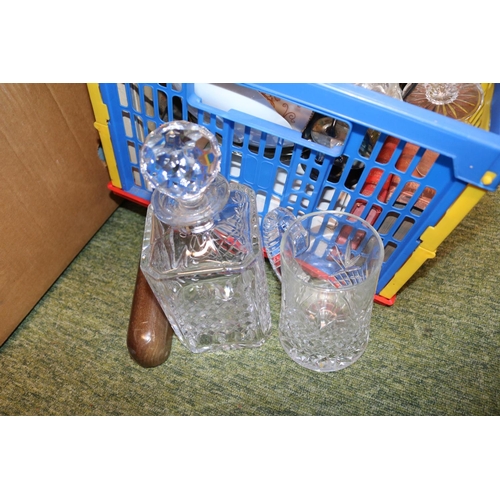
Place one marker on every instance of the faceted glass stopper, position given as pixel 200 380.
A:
pixel 180 159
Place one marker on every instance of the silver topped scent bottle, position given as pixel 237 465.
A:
pixel 202 253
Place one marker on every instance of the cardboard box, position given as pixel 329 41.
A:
pixel 54 194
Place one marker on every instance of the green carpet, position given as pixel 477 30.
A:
pixel 435 352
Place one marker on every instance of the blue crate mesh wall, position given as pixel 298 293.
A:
pixel 285 169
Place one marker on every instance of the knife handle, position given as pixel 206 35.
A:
pixel 149 336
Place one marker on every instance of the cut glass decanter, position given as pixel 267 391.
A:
pixel 202 253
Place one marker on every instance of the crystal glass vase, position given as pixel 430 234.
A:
pixel 202 253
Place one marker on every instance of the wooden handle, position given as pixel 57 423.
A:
pixel 149 337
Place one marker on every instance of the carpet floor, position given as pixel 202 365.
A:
pixel 436 351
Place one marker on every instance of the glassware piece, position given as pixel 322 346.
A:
pixel 390 89
pixel 456 100
pixel 181 162
pixel 329 132
pixel 202 253
pixel 329 267
pixel 274 225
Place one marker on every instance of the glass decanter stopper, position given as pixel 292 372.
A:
pixel 202 253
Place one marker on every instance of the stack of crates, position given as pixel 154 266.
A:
pixel 412 173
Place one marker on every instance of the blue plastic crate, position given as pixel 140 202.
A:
pixel 305 176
